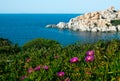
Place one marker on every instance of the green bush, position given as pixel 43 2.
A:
pixel 6 46
pixel 5 42
pixel 115 22
pixel 105 66
pixel 41 43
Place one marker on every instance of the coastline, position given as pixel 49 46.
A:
pixel 100 21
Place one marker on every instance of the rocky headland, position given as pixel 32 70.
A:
pixel 100 21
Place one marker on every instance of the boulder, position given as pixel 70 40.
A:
pixel 118 27
pixel 51 26
pixel 83 29
pixel 94 29
pixel 61 25
pixel 112 28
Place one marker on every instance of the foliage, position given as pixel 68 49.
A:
pixel 40 43
pixel 6 46
pixel 104 66
pixel 115 22
pixel 4 42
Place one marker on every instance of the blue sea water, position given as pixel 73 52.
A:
pixel 21 28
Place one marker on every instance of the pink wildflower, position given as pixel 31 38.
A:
pixel 30 70
pixel 74 60
pixel 37 68
pixel 45 67
pixel 60 74
pixel 90 53
pixel 89 58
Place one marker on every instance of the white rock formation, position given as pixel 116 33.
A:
pixel 61 25
pixel 118 27
pixel 51 26
pixel 93 22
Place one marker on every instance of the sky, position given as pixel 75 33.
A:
pixel 56 6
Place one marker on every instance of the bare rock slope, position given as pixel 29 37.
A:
pixel 99 21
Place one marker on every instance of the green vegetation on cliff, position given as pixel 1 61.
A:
pixel 40 43
pixel 6 46
pixel 115 22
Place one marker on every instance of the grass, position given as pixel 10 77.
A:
pixel 105 66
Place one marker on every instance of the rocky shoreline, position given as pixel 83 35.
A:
pixel 99 21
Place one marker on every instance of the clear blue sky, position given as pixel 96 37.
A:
pixel 55 6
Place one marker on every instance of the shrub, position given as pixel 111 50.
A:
pixel 87 62
pixel 115 22
pixel 5 42
pixel 6 46
pixel 41 43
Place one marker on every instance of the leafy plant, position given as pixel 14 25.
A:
pixel 115 22
pixel 6 46
pixel 40 43
pixel 50 62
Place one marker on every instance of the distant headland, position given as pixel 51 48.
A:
pixel 100 21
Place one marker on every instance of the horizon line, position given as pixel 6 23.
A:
pixel 41 13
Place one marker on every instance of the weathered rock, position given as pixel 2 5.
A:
pixel 94 29
pixel 112 8
pixel 94 21
pixel 118 27
pixel 51 26
pixel 112 28
pixel 83 29
pixel 61 25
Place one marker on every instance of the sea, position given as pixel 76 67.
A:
pixel 21 28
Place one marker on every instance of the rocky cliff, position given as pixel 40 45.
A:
pixel 99 21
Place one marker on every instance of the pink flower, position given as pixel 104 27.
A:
pixel 27 59
pixel 60 74
pixel 37 68
pixel 90 53
pixel 74 59
pixel 30 70
pixel 23 77
pixel 89 58
pixel 45 67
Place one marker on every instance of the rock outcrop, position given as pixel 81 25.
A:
pixel 93 22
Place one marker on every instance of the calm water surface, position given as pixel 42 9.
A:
pixel 21 28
